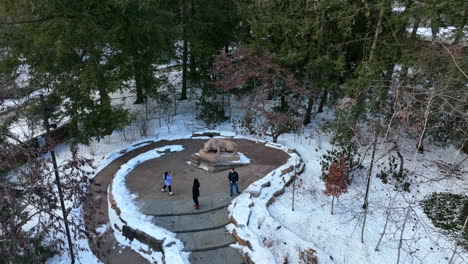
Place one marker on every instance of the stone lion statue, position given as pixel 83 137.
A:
pixel 218 145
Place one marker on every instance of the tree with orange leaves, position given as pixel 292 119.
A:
pixel 335 183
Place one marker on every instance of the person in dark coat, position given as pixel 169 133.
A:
pixel 233 179
pixel 196 192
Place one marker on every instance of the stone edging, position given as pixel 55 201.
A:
pixel 254 192
pixel 124 230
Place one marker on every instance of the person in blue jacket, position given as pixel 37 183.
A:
pixel 167 182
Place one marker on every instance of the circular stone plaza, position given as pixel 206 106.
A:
pixel 202 232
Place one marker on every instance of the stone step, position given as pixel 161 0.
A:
pixel 206 240
pixel 226 255
pixel 160 208
pixel 194 222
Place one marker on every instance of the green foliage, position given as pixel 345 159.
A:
pixel 348 150
pixel 84 51
pixel 205 28
pixel 211 113
pixel 245 123
pixel 389 173
pixel 445 210
pixel 340 128
pixel 447 129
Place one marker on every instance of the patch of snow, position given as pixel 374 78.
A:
pixel 129 211
pixel 243 159
pixel 102 229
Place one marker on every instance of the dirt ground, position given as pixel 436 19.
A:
pixel 146 180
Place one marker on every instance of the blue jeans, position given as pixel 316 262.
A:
pixel 233 184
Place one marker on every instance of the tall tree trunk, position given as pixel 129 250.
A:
pixel 377 32
pixel 404 69
pixel 193 66
pixel 434 32
pixel 308 113
pixel 420 143
pixel 323 100
pixel 378 28
pixel 365 205
pixel 183 94
pixel 138 83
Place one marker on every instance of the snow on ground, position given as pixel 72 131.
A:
pixel 144 250
pixel 131 214
pixel 336 238
pixel 102 229
pixel 12 103
pixel 333 236
pixel 116 145
pixel 270 241
pixel 339 235
pixel 242 159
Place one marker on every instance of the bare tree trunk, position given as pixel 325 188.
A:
pixel 308 113
pixel 401 234
pixel 420 144
pixel 323 100
pixel 390 204
pixel 294 186
pixel 333 202
pixel 434 32
pixel 377 32
pixel 365 205
pixel 402 160
pixel 460 236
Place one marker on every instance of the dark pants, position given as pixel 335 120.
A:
pixel 233 184
pixel 167 186
pixel 195 199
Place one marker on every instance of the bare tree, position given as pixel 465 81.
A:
pixel 30 206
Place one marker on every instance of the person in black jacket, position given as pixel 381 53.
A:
pixel 196 192
pixel 233 179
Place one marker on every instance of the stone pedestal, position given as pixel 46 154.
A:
pixel 218 157
pixel 213 166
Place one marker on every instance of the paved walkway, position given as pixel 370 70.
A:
pixel 202 231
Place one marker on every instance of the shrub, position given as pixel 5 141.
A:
pixel 348 150
pixel 211 113
pixel 391 174
pixel 308 256
pixel 444 210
